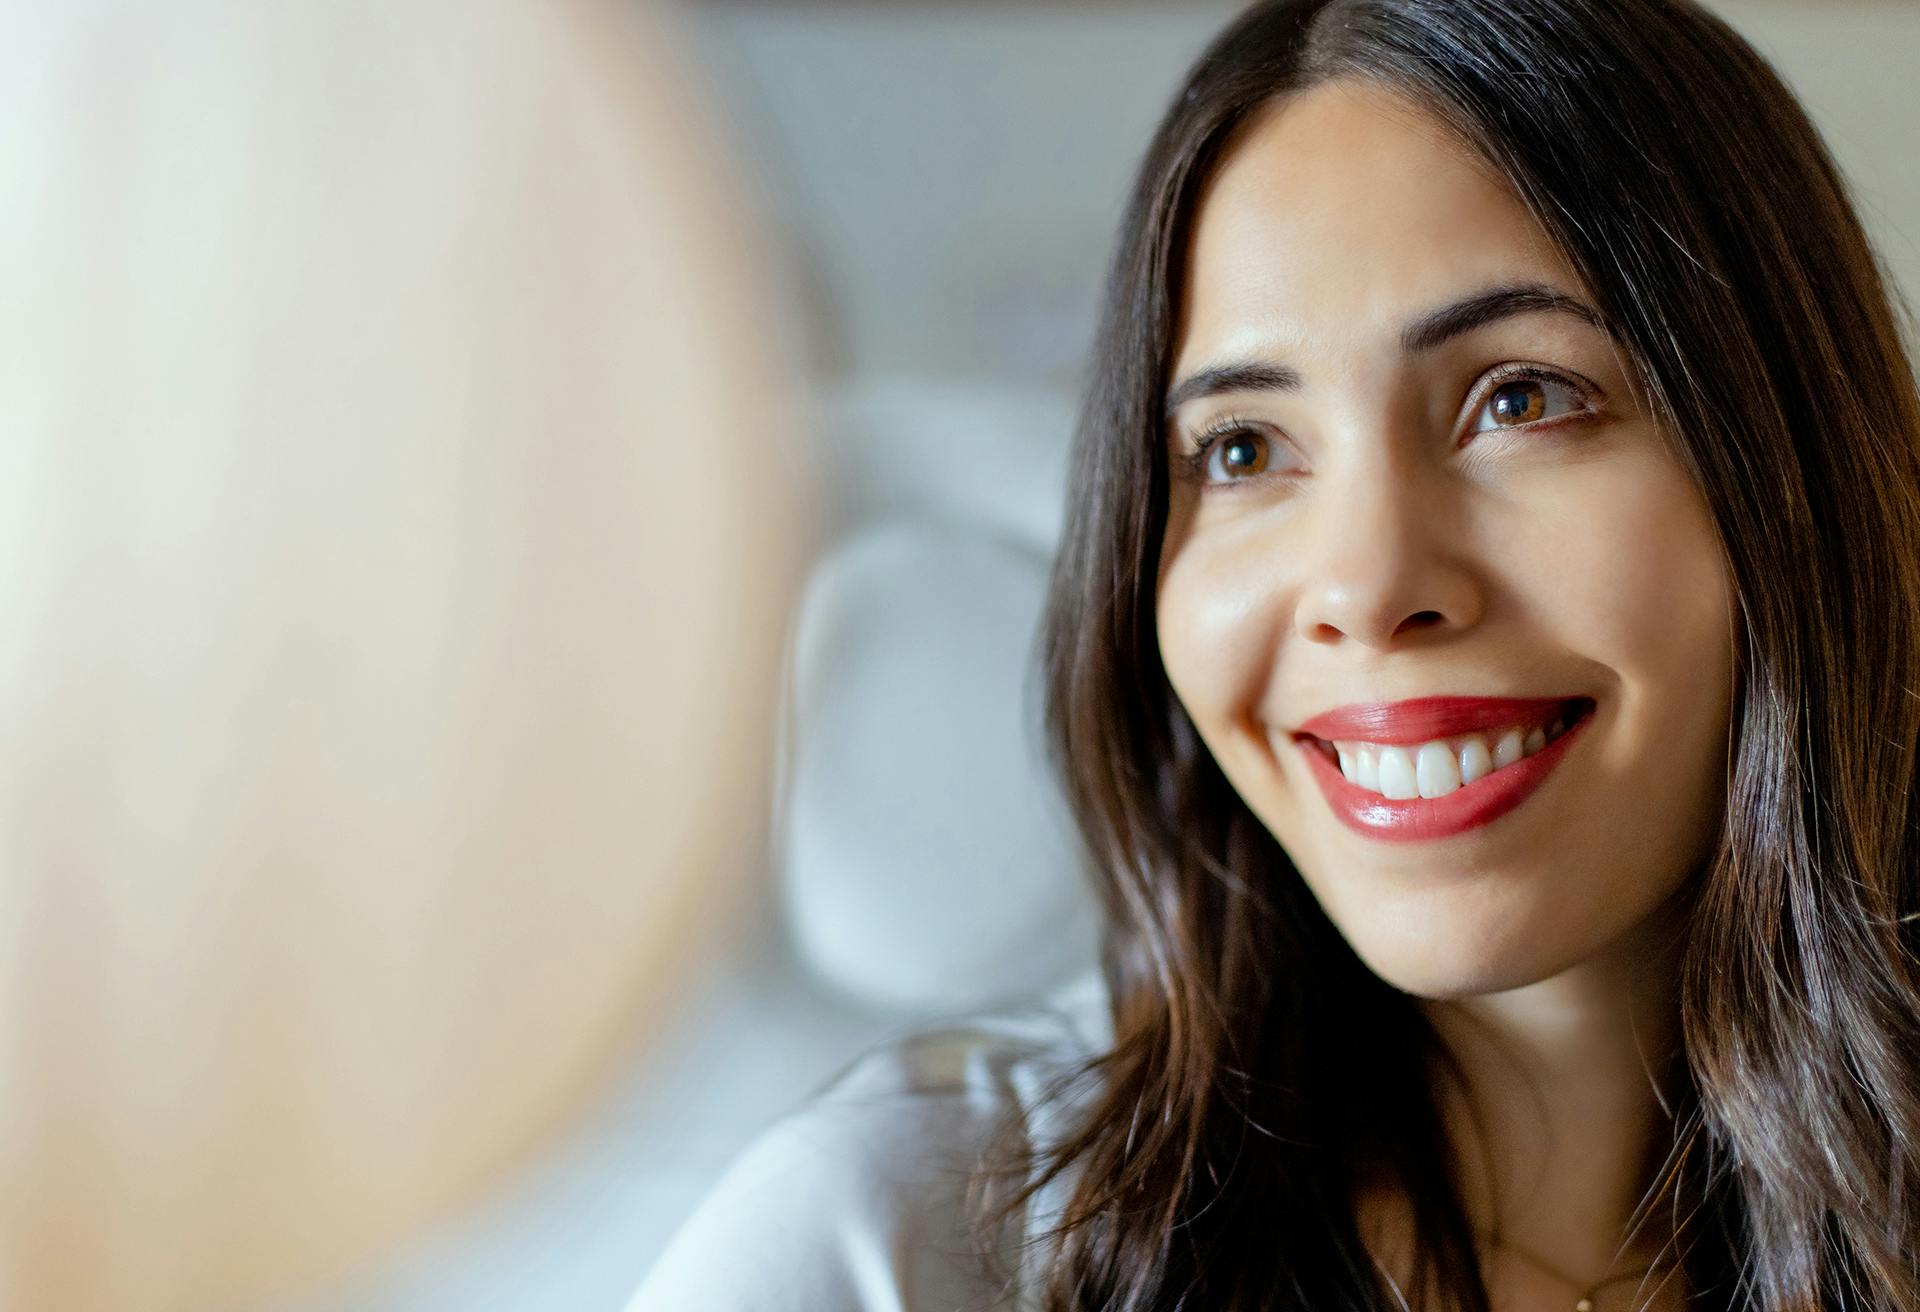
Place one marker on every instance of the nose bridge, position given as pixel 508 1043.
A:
pixel 1384 562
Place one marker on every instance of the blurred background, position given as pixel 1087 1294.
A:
pixel 524 525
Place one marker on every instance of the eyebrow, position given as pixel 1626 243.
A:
pixel 1428 332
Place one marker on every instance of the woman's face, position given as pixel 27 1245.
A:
pixel 1445 608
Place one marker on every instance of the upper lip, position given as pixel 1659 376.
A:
pixel 1425 719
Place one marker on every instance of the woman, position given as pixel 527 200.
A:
pixel 1482 661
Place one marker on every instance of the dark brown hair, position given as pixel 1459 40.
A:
pixel 1257 1065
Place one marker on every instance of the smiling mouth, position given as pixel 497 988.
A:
pixel 1443 766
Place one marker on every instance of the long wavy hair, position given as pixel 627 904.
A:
pixel 1257 1064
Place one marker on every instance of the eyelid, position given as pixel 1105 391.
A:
pixel 1225 426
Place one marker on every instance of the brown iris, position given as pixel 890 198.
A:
pixel 1519 402
pixel 1244 454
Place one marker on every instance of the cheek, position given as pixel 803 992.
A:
pixel 1641 587
pixel 1643 592
pixel 1215 619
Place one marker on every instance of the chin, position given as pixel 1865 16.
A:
pixel 1442 966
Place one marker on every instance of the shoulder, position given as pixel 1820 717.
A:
pixel 859 1200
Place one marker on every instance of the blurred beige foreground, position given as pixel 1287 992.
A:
pixel 397 519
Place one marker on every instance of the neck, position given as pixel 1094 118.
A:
pixel 1561 1113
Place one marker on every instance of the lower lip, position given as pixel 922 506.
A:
pixel 1424 819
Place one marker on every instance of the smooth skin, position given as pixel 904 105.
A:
pixel 1376 524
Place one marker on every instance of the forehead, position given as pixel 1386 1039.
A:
pixel 1337 214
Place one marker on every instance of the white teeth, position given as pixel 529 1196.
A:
pixel 1440 767
pixel 1396 775
pixel 1475 761
pixel 1437 770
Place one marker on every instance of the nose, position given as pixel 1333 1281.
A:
pixel 1386 563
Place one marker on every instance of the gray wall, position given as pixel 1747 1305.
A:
pixel 948 176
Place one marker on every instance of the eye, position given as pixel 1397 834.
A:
pixel 1229 451
pixel 1522 399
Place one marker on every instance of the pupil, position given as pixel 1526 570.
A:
pixel 1241 454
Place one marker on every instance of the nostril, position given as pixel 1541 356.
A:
pixel 1424 619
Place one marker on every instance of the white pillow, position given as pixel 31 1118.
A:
pixel 925 857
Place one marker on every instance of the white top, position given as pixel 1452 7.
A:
pixel 856 1201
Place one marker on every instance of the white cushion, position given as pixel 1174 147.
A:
pixel 925 857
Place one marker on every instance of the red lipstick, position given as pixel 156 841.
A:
pixel 1408 724
pixel 1472 806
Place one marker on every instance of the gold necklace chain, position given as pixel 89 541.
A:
pixel 1583 1302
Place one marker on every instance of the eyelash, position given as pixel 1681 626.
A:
pixel 1231 425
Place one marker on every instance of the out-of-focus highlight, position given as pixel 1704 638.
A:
pixel 399 504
